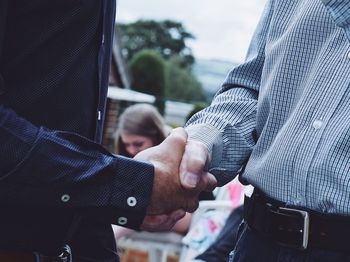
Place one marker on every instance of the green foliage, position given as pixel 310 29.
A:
pixel 166 37
pixel 147 69
pixel 181 83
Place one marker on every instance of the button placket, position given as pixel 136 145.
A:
pixel 317 124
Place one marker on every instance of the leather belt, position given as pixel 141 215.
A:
pixel 294 227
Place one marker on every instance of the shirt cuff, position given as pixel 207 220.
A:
pixel 211 137
pixel 132 196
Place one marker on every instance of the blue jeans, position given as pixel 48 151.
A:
pixel 252 247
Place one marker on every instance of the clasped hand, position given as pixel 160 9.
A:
pixel 179 178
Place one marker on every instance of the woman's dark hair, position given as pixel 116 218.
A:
pixel 141 120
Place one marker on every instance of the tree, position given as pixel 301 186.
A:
pixel 147 69
pixel 166 37
pixel 181 83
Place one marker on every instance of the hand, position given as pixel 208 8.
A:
pixel 194 164
pixel 162 222
pixel 168 194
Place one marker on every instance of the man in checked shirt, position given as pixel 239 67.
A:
pixel 282 121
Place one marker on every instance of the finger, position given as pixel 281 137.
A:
pixel 150 223
pixel 177 215
pixel 176 141
pixel 197 156
pixel 207 183
pixel 162 222
pixel 210 182
pixel 192 164
pixel 166 159
pixel 189 180
pixel 174 147
pixel 173 218
pixel 192 204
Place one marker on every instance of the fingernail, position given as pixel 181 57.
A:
pixel 191 179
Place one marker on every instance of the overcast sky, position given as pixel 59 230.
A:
pixel 223 28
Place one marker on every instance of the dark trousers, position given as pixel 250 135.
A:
pixel 252 247
pixel 219 251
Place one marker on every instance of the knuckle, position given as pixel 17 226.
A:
pixel 197 163
pixel 200 147
pixel 210 180
pixel 179 140
pixel 193 206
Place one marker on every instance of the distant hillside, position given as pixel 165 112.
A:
pixel 211 73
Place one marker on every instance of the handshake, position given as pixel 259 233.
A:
pixel 180 176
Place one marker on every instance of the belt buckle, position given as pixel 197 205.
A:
pixel 305 229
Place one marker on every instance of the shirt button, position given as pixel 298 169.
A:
pixel 131 201
pixel 122 221
pixel 65 198
pixel 317 124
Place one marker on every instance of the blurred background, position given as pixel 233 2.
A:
pixel 176 54
pixel 222 29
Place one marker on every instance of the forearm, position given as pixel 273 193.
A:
pixel 227 126
pixel 38 162
pixel 228 133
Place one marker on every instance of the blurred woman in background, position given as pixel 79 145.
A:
pixel 140 127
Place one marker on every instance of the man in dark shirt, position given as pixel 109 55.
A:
pixel 58 186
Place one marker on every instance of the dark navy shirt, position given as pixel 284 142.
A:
pixel 54 64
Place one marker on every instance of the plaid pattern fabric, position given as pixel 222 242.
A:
pixel 284 113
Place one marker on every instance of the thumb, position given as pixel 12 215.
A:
pixel 193 164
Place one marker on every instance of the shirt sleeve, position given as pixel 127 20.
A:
pixel 49 168
pixel 340 12
pixel 57 170
pixel 227 125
